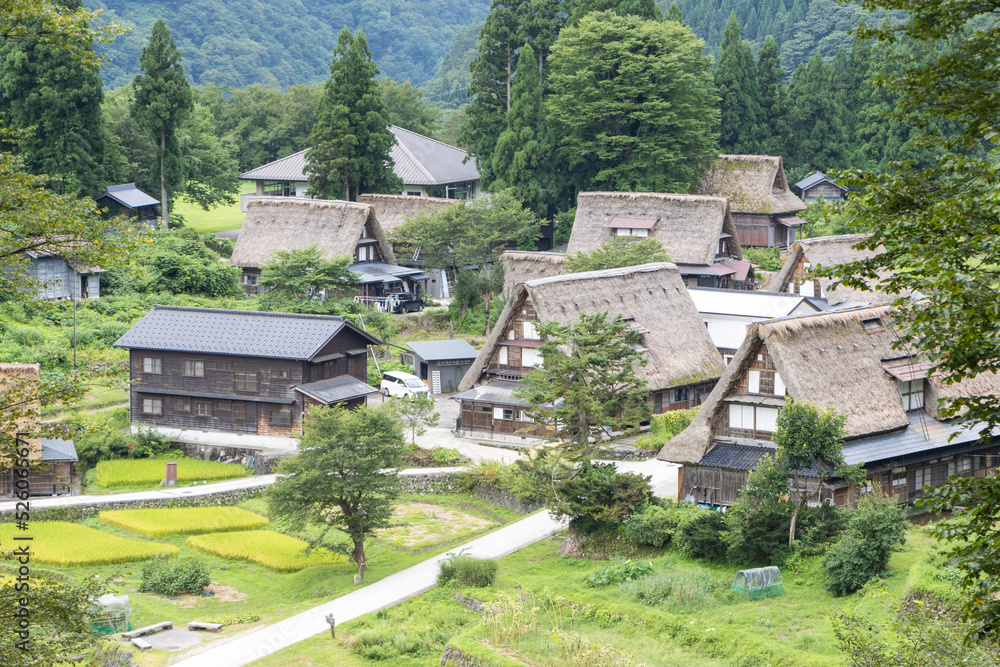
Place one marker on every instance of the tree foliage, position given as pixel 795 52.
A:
pixel 415 413
pixel 633 104
pixel 298 276
pixel 407 108
pixel 876 528
pixel 68 27
pixel 587 384
pixel 599 497
pixel 347 461
pixel 740 100
pixel 620 251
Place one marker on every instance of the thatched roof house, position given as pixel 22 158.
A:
pixel 520 266
pixel 393 210
pixel 682 362
pixel 826 251
pixel 843 360
pixel 696 232
pixel 762 204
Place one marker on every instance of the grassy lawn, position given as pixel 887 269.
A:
pixel 96 398
pixel 217 219
pixel 242 587
pixel 561 622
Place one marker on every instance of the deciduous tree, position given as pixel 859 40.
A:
pixel 347 461
pixel 415 413
pixel 301 275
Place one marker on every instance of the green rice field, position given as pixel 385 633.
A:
pixel 142 472
pixel 71 544
pixel 189 520
pixel 264 547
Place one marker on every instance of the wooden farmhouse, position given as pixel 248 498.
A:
pixel 682 367
pixel 696 232
pixel 795 276
pixel 59 277
pixel 427 167
pixel 843 360
pixel 520 266
pixel 130 201
pixel 761 202
pixel 242 371
pixel 337 228
pixel 819 185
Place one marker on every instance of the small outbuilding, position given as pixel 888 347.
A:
pixel 442 363
pixel 130 201
pixel 820 185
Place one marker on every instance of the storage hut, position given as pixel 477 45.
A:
pixel 820 185
pixel 442 363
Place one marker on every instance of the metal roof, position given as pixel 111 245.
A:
pixel 57 450
pixel 923 434
pixel 418 160
pixel 377 272
pixel 499 392
pixel 813 179
pixel 744 303
pixel 336 390
pixel 129 195
pixel 907 369
pixel 632 223
pixel 443 350
pixel 235 332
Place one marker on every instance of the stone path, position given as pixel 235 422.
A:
pixel 253 645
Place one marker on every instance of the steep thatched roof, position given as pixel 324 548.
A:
pixel 394 210
pixel 520 266
pixel 828 251
pixel 833 360
pixel 753 183
pixel 688 226
pixel 680 350
pixel 284 223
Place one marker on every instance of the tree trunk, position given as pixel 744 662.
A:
pixel 510 56
pixel 799 505
pixel 359 554
pixel 347 190
pixel 486 307
pixel 163 183
pixel 357 191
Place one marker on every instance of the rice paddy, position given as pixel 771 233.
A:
pixel 189 520
pixel 150 472
pixel 264 547
pixel 71 544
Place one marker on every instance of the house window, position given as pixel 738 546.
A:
pixel 222 406
pixel 279 188
pixel 281 375
pixel 152 406
pixel 530 331
pixel 624 231
pixel 679 395
pixel 193 369
pixel 239 412
pixel 753 382
pixel 964 464
pixel 250 279
pixel 912 394
pixel 203 409
pixel 219 365
pixel 779 385
pixel 872 325
pixel 753 418
pixel 281 418
pixel 524 417
pixel 182 405
pixel 531 357
pixel 152 365
pixel 414 193
pixel 506 414
pixel 502 355
pixel 245 382
pixel 922 478
pixel 899 477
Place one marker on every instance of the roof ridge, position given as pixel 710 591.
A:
pixel 413 158
pixel 261 313
pixel 680 196
pixel 280 159
pixel 424 136
pixel 602 273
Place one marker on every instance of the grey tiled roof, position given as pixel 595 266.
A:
pixel 924 434
pixel 336 390
pixel 236 332
pixel 443 350
pixel 813 179
pixel 129 195
pixel 499 392
pixel 58 450
pixel 734 456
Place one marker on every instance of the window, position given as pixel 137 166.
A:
pixel 779 385
pixel 872 325
pixel 152 406
pixel 753 418
pixel 249 279
pixel 222 406
pixel 531 357
pixel 203 409
pixel 530 332
pixel 502 356
pixel 506 414
pixel 899 476
pixel 281 418
pixel 964 464
pixel 239 412
pixel 922 478
pixel 623 231
pixel 912 393
pixel 279 188
pixel 193 369
pixel 182 405
pixel 753 382
pixel 524 417
pixel 679 395
pixel 152 365
pixel 281 375
pixel 414 193
pixel 219 365
pixel 244 382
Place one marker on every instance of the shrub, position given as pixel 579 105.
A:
pixel 758 535
pixel 656 524
pixel 167 577
pixel 71 544
pixel 191 520
pixel 468 570
pixel 769 259
pixel 598 497
pixel 663 427
pixel 445 455
pixel 265 547
pixel 876 528
pixel 618 573
pixel 700 535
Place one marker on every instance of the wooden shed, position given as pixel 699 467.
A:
pixel 442 363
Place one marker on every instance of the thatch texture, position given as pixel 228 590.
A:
pixel 284 223
pixel 753 184
pixel 827 251
pixel 393 210
pixel 680 350
pixel 687 226
pixel 520 266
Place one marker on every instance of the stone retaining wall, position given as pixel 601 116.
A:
pixel 452 657
pixel 435 482
pixel 261 464
pixel 496 496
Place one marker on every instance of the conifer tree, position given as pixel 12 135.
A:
pixel 739 94
pixel 773 97
pixel 644 9
pixel 522 160
pixel 674 13
pixel 820 139
pixel 351 140
pixel 162 101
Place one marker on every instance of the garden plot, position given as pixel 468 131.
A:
pixel 417 524
pixel 150 472
pixel 70 544
pixel 189 520
pixel 265 547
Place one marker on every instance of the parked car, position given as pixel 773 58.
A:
pixel 404 302
pixel 398 383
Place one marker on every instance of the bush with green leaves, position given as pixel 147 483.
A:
pixel 656 523
pixel 758 532
pixel 768 259
pixel 468 570
pixel 445 455
pixel 701 535
pixel 619 572
pixel 598 497
pixel 677 588
pixel 172 576
pixel 876 528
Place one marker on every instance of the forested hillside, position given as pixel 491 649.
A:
pixel 239 42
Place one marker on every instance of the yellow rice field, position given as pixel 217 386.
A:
pixel 149 472
pixel 72 544
pixel 264 547
pixel 190 520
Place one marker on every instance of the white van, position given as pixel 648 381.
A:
pixel 397 383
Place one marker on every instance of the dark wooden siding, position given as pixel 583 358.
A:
pixel 478 416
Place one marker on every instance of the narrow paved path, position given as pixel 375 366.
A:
pixel 250 646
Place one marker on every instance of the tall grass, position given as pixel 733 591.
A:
pixel 141 472
pixel 468 570
pixel 190 520
pixel 265 547
pixel 71 544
